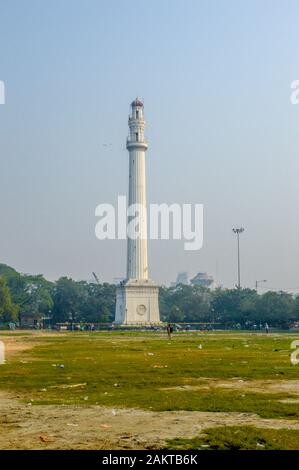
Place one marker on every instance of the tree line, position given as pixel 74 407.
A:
pixel 66 300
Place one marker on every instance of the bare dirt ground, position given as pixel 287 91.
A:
pixel 260 386
pixel 93 427
pixel 16 344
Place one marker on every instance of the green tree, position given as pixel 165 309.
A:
pixel 296 309
pixel 37 296
pixel 8 310
pixel 232 306
pixel 276 308
pixel 175 314
pixel 33 293
pixel 185 303
pixel 67 298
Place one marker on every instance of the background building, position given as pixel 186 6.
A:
pixel 182 278
pixel 204 280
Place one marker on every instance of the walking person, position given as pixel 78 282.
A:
pixel 169 329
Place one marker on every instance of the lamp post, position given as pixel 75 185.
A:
pixel 257 284
pixel 237 231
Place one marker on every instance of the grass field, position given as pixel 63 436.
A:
pixel 206 390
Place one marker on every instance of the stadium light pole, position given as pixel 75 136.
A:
pixel 237 231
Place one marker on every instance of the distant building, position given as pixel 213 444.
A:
pixel 204 280
pixel 182 278
pixel 30 320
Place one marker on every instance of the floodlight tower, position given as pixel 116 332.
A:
pixel 238 231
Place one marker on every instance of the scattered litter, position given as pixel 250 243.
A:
pixel 115 385
pixel 150 354
pixel 259 445
pixel 44 438
pixel 199 346
pixel 43 390
pixel 204 445
pixel 113 412
pixel 85 398
pixel 68 385
pixel 74 385
pixel 72 424
pixel 105 426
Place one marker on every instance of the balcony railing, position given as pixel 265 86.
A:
pixel 137 141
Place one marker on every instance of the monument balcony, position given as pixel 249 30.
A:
pixel 133 143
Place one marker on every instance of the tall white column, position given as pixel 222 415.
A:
pixel 137 300
pixel 137 265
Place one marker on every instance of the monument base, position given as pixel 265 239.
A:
pixel 137 303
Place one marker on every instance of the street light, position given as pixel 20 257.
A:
pixel 238 231
pixel 257 283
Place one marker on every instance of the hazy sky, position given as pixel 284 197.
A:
pixel 215 80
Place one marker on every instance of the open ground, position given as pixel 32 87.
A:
pixel 138 390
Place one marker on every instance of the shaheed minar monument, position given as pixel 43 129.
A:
pixel 137 296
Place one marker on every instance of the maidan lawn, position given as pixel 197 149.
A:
pixel 221 390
